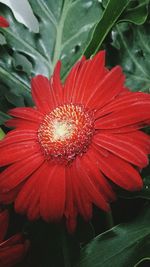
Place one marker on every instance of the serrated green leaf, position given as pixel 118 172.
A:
pixel 122 246
pixel 64 26
pixel 133 45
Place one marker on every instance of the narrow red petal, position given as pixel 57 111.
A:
pixel 30 192
pixel 138 115
pixel 70 208
pixel 97 177
pixel 12 255
pixel 41 93
pixel 57 88
pixel 15 239
pixel 17 151
pixel 22 124
pixel 92 72
pixel 18 172
pixel 3 22
pixel 9 197
pixel 52 198
pixel 118 170
pixel 30 114
pixel 34 210
pixel 82 199
pixel 91 189
pixel 71 81
pixel 107 89
pixel 124 147
pixel 17 136
pixel 123 102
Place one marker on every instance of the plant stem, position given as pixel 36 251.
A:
pixel 109 220
pixel 65 246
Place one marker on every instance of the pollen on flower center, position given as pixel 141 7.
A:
pixel 66 132
pixel 62 130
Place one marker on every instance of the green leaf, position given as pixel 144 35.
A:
pixel 65 26
pixel 3 117
pixel 112 12
pixel 133 46
pixel 2 134
pixel 136 11
pixel 124 245
pixel 143 262
pixel 136 14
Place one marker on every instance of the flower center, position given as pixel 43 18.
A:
pixel 66 132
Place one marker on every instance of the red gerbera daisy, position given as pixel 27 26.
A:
pixel 79 136
pixel 14 249
pixel 3 22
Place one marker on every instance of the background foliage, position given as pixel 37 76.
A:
pixel 67 30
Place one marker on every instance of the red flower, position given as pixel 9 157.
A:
pixel 3 22
pixel 12 250
pixel 80 136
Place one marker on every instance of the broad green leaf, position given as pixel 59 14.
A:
pixel 64 28
pixel 113 10
pixel 122 246
pixel 136 11
pixel 136 14
pixel 133 46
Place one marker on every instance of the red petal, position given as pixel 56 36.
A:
pixel 124 130
pixel 18 172
pixel 17 151
pixel 41 93
pixel 17 136
pixel 22 124
pixel 124 146
pixel 89 186
pixel 9 256
pixel 4 218
pixel 70 208
pixel 136 115
pixel 97 177
pixel 57 88
pixel 30 114
pixel 82 199
pixel 118 170
pixel 3 22
pixel 13 250
pixel 92 72
pixel 52 199
pixel 107 89
pixel 28 199
pixel 15 239
pixel 71 80
pixel 124 102
pixel 9 197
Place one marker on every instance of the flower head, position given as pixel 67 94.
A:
pixel 80 135
pixel 13 249
pixel 3 22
